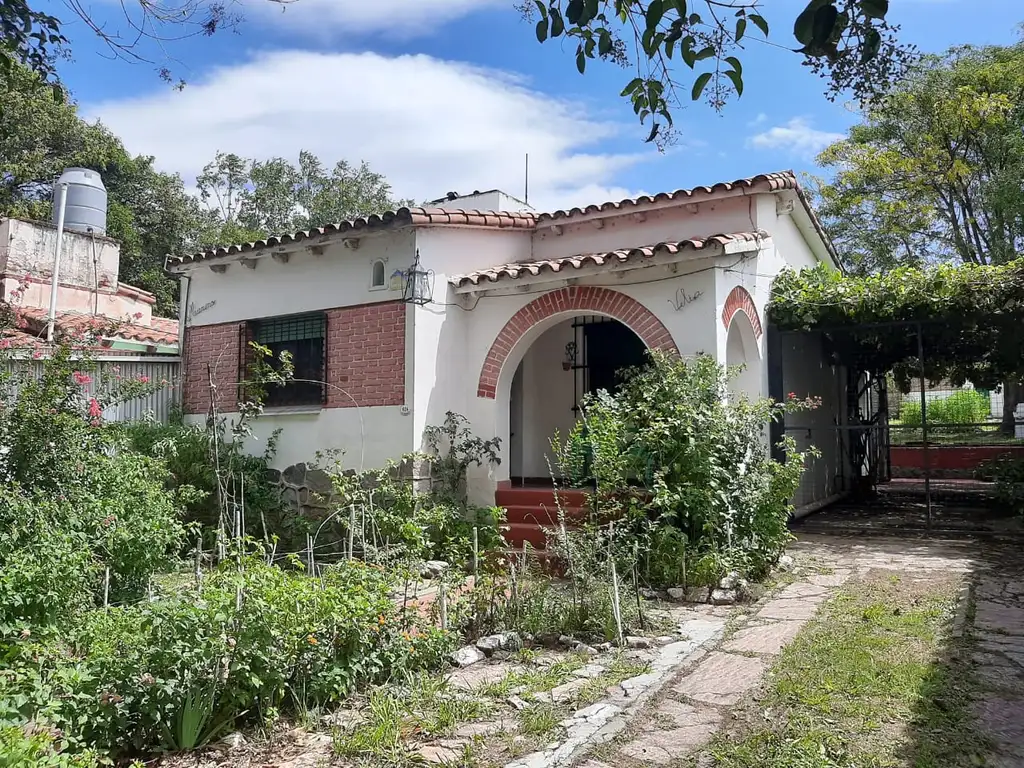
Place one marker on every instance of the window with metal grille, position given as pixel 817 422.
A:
pixel 303 337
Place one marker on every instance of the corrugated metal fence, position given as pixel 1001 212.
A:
pixel 157 405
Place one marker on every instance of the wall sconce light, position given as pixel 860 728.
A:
pixel 570 356
pixel 419 284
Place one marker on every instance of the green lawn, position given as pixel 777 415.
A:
pixel 874 682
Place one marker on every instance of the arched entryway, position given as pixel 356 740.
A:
pixel 578 356
pixel 559 309
pixel 743 330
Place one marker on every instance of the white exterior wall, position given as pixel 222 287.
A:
pixel 805 369
pixel 547 401
pixel 806 373
pixel 306 283
pixel 443 360
pixel 340 277
pixel 692 328
pixel 736 214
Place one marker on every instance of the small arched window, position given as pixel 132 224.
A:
pixel 377 276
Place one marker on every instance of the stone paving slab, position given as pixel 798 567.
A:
pixel 792 609
pixel 693 730
pixel 767 639
pixel 722 679
pixel 990 616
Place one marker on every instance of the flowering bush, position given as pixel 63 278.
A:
pixel 689 468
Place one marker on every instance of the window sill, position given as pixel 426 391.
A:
pixel 288 410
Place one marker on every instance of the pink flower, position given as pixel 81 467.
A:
pixel 95 411
pixel 792 395
pixel 137 316
pixel 144 379
pixel 81 379
pixel 37 354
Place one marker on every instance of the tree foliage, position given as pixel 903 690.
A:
pixel 971 317
pixel 849 42
pixel 255 198
pixel 933 172
pixel 35 38
pixel 150 212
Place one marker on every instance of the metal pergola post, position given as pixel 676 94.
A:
pixel 924 430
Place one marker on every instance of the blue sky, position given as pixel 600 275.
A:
pixel 444 95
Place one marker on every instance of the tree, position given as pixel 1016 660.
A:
pixel 253 198
pixel 35 38
pixel 849 42
pixel 149 212
pixel 933 172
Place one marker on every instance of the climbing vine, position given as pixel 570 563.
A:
pixel 970 318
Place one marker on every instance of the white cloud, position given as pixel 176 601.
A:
pixel 405 18
pixel 761 118
pixel 796 137
pixel 428 125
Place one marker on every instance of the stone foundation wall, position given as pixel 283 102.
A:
pixel 307 493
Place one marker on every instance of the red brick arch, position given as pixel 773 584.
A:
pixel 602 301
pixel 739 298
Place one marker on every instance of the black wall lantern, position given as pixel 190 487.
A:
pixel 570 356
pixel 419 284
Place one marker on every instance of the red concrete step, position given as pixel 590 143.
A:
pixel 517 535
pixel 547 516
pixel 535 497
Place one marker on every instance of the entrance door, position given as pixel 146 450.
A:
pixel 610 347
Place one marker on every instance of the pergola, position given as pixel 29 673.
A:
pixel 954 323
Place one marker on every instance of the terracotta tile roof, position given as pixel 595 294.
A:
pixel 765 182
pixel 13 338
pixel 162 331
pixel 400 218
pixel 608 258
pixel 771 182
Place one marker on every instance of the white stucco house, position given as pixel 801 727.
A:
pixel 518 315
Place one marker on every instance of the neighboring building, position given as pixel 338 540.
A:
pixel 127 339
pixel 518 315
pixel 88 290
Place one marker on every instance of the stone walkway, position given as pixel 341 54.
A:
pixel 685 720
pixel 998 632
pixel 682 721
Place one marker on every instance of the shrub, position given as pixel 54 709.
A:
pixel 55 549
pixel 454 449
pixel 702 465
pixel 172 673
pixel 189 455
pixel 1007 472
pixel 395 523
pixel 968 406
pixel 25 747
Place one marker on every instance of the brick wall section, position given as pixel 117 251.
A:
pixel 365 358
pixel 216 346
pixel 739 298
pixel 950 457
pixel 577 300
pixel 366 355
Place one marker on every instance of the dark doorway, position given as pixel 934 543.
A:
pixel 610 347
